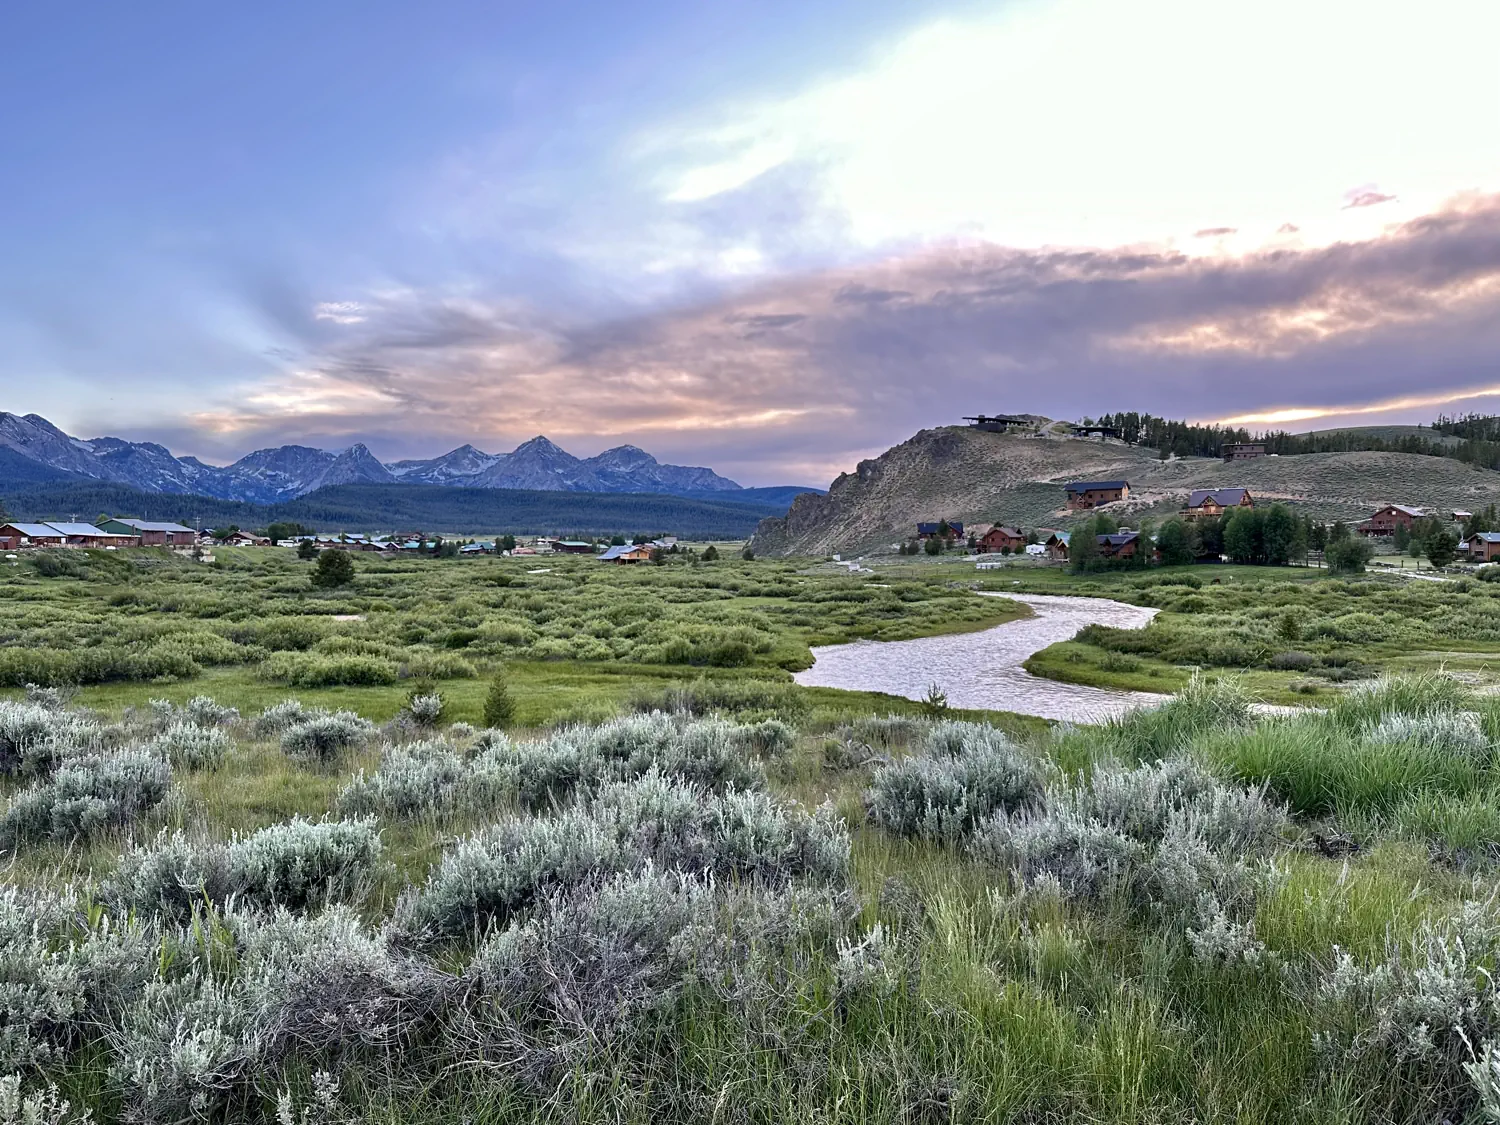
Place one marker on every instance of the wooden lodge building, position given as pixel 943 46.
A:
pixel 999 539
pixel 1057 546
pixel 926 531
pixel 1482 547
pixel 152 533
pixel 1120 545
pixel 1210 503
pixel 1243 450
pixel 1385 521
pixel 1086 494
pixel 628 553
pixel 58 534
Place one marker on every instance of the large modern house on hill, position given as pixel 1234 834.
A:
pixel 1385 521
pixel 1213 502
pixel 1085 494
pixel 945 529
pixel 1243 451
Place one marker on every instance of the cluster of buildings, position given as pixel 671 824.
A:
pixel 113 534
pixel 108 534
pixel 1481 546
pixel 1202 503
pixel 540 545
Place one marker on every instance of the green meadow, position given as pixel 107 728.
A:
pixel 463 842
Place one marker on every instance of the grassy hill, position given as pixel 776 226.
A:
pixel 959 473
pixel 432 508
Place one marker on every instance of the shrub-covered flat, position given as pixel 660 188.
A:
pixel 579 634
pixel 1291 634
pixel 732 905
pixel 544 840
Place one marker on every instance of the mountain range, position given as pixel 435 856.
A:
pixel 33 450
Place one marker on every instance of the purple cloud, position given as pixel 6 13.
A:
pixel 799 378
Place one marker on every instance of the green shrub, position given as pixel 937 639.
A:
pixel 323 737
pixel 84 797
pixel 966 772
pixel 438 666
pixel 499 704
pixel 1293 661
pixel 1319 766
pixel 308 670
pixel 334 568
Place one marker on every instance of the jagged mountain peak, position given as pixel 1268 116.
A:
pixel 623 457
pixel 541 444
pixel 287 471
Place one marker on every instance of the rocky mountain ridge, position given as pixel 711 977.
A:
pixel 40 449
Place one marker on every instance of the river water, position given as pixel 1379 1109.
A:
pixel 983 669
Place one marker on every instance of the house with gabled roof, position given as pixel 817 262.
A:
pixel 627 553
pixel 1001 538
pixel 1085 494
pixel 1118 545
pixel 926 531
pixel 1482 547
pixel 1210 503
pixel 1387 519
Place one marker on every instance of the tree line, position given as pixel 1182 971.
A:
pixel 1272 536
pixel 1478 434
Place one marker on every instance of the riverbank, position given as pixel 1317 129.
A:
pixel 987 669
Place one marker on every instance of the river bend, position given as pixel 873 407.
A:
pixel 984 669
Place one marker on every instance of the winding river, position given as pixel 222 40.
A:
pixel 983 669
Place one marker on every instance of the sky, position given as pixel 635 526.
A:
pixel 770 237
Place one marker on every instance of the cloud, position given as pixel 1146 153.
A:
pixel 340 312
pixel 1063 123
pixel 809 373
pixel 1215 232
pixel 1366 199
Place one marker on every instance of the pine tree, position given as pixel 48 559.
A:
pixel 499 704
pixel 334 568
